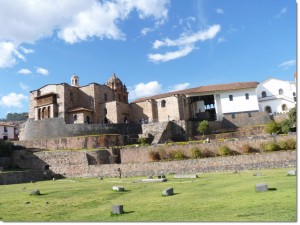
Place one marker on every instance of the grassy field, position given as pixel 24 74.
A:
pixel 213 197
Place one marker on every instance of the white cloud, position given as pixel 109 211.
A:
pixel 171 55
pixel 185 44
pixel 178 87
pixel 8 54
pixel 27 21
pixel 219 11
pixel 13 100
pixel 281 13
pixel 24 71
pixel 146 30
pixel 42 71
pixel 24 87
pixel 27 50
pixel 142 90
pixel 286 65
pixel 185 39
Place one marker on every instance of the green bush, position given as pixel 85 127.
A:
pixel 283 145
pixel 142 141
pixel 177 155
pixel 195 153
pixel 270 146
pixel 272 128
pixel 203 127
pixel 154 155
pixel 224 150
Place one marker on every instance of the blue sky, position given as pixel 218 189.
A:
pixel 153 46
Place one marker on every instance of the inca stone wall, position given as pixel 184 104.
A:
pixel 72 143
pixel 56 127
pixel 77 164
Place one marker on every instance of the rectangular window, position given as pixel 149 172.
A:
pixel 249 114
pixel 5 129
pixel 247 96
pixel 233 115
pixel 230 97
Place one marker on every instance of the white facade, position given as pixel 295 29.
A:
pixel 276 96
pixel 7 132
pixel 244 100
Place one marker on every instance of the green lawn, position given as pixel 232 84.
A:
pixel 213 197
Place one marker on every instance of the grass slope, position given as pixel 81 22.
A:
pixel 213 197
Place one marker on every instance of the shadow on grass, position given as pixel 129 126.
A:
pixel 272 189
pixel 116 214
pixel 170 195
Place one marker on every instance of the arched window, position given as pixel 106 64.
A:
pixel 284 108
pixel 105 97
pixel 39 114
pixel 75 117
pixel 280 91
pixel 71 97
pixel 268 109
pixel 163 103
pixel 49 110
pixel 43 112
pixel 263 94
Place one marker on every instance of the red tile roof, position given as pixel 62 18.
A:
pixel 204 89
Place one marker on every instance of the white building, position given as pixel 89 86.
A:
pixel 276 96
pixel 7 131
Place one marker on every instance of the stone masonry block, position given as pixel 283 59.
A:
pixel 117 209
pixel 261 187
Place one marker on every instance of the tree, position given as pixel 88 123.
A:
pixel 203 127
pixel 293 117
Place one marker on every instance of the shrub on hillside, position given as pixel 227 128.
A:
pixel 246 148
pixel 224 150
pixel 206 153
pixel 195 153
pixel 291 144
pixel 142 141
pixel 270 146
pixel 282 145
pixel 154 155
pixel 163 154
pixel 272 128
pixel 177 155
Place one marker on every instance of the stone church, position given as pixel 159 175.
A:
pixel 108 103
pixel 93 103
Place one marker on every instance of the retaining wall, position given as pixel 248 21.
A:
pixel 87 142
pixel 56 127
pixel 21 177
pixel 141 154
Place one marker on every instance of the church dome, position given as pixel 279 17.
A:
pixel 114 79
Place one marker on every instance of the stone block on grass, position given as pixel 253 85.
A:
pixel 261 187
pixel 168 192
pixel 292 173
pixel 35 192
pixel 117 209
pixel 118 188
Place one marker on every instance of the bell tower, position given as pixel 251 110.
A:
pixel 75 81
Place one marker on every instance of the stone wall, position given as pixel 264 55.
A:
pixel 77 167
pixel 56 127
pixel 72 143
pixel 21 177
pixel 141 154
pixel 245 119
